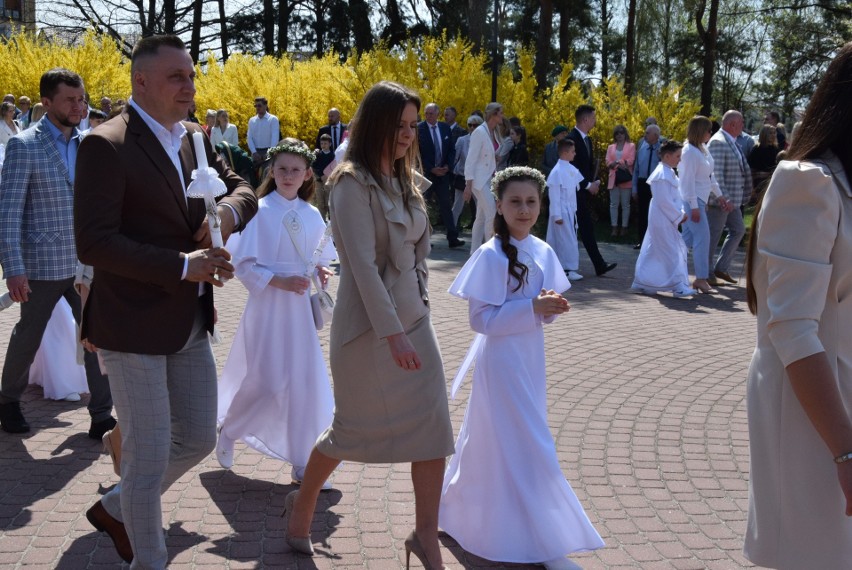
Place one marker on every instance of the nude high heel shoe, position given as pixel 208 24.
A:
pixel 301 544
pixel 412 544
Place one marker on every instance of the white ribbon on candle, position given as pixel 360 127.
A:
pixel 207 185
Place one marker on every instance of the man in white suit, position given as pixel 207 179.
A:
pixel 733 174
pixel 478 170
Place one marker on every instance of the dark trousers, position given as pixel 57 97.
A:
pixel 587 231
pixel 26 338
pixel 643 197
pixel 444 195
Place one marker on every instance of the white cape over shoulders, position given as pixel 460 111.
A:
pixel 504 496
pixel 274 392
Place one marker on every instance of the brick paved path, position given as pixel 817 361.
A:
pixel 647 405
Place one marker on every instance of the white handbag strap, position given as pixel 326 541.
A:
pixel 310 265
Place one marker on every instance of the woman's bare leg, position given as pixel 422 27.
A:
pixel 319 469
pixel 428 477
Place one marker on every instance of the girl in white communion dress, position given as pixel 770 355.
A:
pixel 504 496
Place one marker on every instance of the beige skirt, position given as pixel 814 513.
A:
pixel 384 414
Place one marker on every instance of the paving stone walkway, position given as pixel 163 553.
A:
pixel 646 403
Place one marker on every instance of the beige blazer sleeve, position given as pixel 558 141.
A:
pixel 797 229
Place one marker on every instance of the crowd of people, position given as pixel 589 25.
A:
pixel 100 215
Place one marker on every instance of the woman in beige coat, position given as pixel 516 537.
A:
pixel 800 380
pixel 389 387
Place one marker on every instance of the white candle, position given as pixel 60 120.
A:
pixel 200 153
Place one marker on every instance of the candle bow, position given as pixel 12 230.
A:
pixel 207 185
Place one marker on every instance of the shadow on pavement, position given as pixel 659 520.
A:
pixel 253 508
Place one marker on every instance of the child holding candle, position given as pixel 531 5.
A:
pixel 274 393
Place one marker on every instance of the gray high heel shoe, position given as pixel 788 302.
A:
pixel 301 544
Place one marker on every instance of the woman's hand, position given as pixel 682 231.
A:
pixel 844 474
pixel 695 215
pixel 324 274
pixel 558 222
pixel 295 283
pixel 403 352
pixel 549 303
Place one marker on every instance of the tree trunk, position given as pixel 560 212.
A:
pixel 223 30
pixel 564 31
pixel 284 10
pixel 169 16
pixel 396 31
pixel 604 39
pixel 543 48
pixel 195 39
pixel 477 13
pixel 708 38
pixel 359 12
pixel 667 42
pixel 148 29
pixel 268 28
pixel 630 49
pixel 319 26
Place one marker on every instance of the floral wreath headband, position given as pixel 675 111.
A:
pixel 512 172
pixel 290 148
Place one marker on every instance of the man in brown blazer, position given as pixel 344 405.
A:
pixel 151 301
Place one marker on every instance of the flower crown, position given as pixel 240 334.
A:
pixel 300 149
pixel 513 172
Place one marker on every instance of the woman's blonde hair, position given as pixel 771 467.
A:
pixel 37 112
pixel 373 134
pixel 491 109
pixel 699 125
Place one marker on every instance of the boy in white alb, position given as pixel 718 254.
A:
pixel 562 183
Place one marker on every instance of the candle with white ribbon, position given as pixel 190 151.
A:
pixel 6 301
pixel 207 185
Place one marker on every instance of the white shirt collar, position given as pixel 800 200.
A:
pixel 170 139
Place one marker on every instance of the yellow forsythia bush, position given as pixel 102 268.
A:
pixel 25 57
pixel 300 92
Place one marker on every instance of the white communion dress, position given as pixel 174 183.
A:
pixel 274 392
pixel 504 496
pixel 55 367
pixel 562 186
pixel 661 265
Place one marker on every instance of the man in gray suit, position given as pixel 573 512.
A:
pixel 37 243
pixel 734 177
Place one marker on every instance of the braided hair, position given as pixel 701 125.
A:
pixel 499 184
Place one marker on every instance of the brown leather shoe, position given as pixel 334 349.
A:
pixel 104 522
pixel 712 281
pixel 724 276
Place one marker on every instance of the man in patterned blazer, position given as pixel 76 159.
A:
pixel 733 174
pixel 37 249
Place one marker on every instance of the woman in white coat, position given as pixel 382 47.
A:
pixel 800 381
pixel 478 170
pixel 223 130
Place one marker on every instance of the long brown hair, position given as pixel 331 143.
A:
pixel 374 136
pixel 825 126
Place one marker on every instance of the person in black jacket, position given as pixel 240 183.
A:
pixel 584 162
